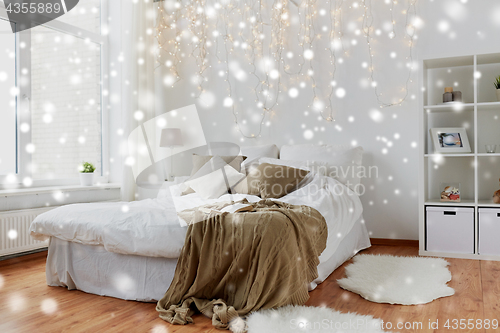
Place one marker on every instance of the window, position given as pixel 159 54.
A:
pixel 55 120
pixel 86 15
pixel 65 103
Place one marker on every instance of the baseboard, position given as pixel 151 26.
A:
pixel 394 242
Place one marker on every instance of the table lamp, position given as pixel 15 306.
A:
pixel 171 138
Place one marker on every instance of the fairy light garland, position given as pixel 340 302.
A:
pixel 198 29
pixel 410 32
pixel 263 40
pixel 266 92
pixel 168 48
pixel 392 34
pixel 334 12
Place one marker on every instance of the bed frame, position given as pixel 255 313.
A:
pixel 94 270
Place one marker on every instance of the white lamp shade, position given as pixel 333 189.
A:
pixel 171 137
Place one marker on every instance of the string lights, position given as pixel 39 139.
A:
pixel 168 37
pixel 198 28
pixel 410 33
pixel 334 22
pixel 251 42
pixel 268 57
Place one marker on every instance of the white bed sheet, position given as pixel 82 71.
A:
pixel 148 227
pixel 93 269
pixel 152 228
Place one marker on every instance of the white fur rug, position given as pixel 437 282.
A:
pixel 398 280
pixel 312 320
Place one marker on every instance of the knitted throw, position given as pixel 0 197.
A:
pixel 233 264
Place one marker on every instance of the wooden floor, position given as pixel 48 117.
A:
pixel 27 304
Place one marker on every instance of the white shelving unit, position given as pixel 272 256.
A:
pixel 478 172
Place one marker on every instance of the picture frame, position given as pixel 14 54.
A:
pixel 450 140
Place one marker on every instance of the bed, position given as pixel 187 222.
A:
pixel 119 249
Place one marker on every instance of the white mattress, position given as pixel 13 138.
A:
pixel 91 268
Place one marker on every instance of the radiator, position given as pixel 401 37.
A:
pixel 17 223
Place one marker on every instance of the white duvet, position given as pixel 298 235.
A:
pixel 151 227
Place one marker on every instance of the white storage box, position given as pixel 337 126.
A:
pixel 450 229
pixel 489 231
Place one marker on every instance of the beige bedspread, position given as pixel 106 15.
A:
pixel 233 264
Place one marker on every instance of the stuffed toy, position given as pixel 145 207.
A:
pixel 496 197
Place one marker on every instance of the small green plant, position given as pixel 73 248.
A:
pixel 497 83
pixel 87 167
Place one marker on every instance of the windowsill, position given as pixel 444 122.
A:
pixel 53 189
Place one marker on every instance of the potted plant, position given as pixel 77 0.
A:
pixel 86 174
pixel 497 85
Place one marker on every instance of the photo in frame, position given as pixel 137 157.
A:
pixel 450 140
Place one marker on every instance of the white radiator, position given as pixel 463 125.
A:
pixel 14 231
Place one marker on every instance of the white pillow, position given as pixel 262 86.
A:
pixel 344 162
pixel 213 185
pixel 213 164
pixel 166 189
pixel 254 153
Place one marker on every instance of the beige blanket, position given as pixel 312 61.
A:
pixel 233 264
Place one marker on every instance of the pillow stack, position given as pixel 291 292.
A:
pixel 342 163
pixel 199 161
pixel 274 181
pixel 255 153
pixel 212 176
pixel 264 175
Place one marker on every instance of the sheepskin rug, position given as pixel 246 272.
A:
pixel 312 320
pixel 398 280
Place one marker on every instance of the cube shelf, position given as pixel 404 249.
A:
pixel 478 172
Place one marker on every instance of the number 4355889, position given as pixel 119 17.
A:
pixel 463 324
pixel 32 8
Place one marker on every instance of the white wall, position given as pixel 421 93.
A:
pixel 473 27
pixel 387 214
pixel 387 135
